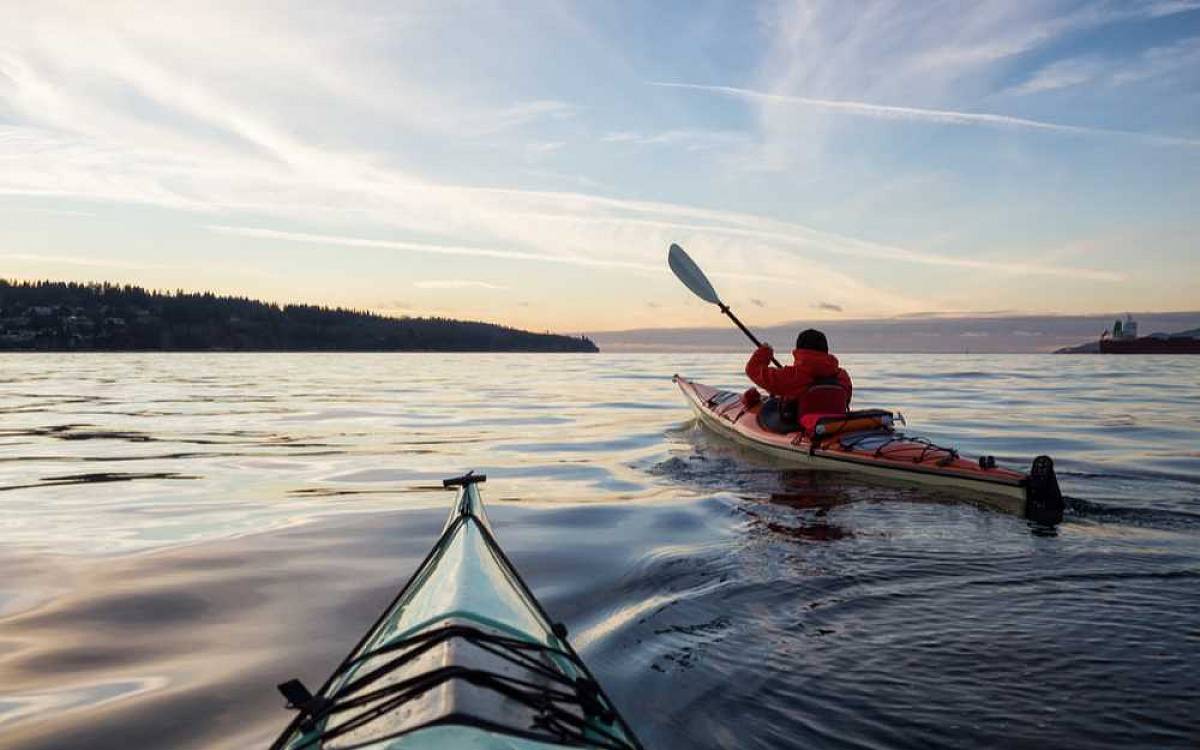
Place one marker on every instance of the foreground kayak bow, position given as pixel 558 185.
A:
pixel 883 452
pixel 465 657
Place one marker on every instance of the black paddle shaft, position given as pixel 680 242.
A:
pixel 725 309
pixel 686 270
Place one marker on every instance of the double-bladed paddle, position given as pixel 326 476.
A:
pixel 693 278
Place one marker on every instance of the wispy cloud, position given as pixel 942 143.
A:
pixel 797 237
pixel 1150 64
pixel 827 306
pixel 1162 8
pixel 86 262
pixel 456 284
pixel 1059 75
pixel 52 211
pixel 918 114
pixel 622 136
pixel 544 148
pixel 524 113
pixel 987 33
pixel 687 139
pixel 423 247
pixel 1182 57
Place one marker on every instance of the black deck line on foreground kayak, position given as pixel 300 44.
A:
pixel 553 725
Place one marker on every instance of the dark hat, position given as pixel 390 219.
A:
pixel 812 339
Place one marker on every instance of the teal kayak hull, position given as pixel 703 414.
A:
pixel 465 657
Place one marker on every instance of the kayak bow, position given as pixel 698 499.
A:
pixel 883 453
pixel 465 657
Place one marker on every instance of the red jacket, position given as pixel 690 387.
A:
pixel 794 380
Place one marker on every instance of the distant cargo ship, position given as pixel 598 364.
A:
pixel 1124 339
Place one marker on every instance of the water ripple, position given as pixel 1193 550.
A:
pixel 279 500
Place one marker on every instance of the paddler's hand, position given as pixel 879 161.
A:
pixel 759 364
pixel 762 356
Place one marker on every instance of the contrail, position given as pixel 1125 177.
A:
pixel 942 116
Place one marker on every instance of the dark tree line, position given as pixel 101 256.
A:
pixel 54 315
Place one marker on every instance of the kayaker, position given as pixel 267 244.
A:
pixel 813 384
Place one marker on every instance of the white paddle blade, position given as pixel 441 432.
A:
pixel 691 275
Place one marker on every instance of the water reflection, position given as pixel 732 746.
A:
pixel 62 699
pixel 97 477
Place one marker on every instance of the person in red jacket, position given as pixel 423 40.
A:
pixel 814 383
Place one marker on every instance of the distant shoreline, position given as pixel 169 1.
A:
pixel 974 334
pixel 54 316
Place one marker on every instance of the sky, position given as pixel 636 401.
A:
pixel 530 162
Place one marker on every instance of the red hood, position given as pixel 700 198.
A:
pixel 821 364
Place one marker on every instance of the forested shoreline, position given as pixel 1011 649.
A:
pixel 70 316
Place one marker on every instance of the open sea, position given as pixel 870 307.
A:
pixel 181 532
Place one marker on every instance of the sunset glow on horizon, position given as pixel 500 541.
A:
pixel 530 163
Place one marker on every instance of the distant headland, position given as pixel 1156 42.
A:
pixel 67 316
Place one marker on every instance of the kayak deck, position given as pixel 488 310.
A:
pixel 882 453
pixel 464 657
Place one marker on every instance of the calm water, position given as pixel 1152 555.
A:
pixel 180 533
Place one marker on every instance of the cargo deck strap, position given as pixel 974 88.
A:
pixel 899 440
